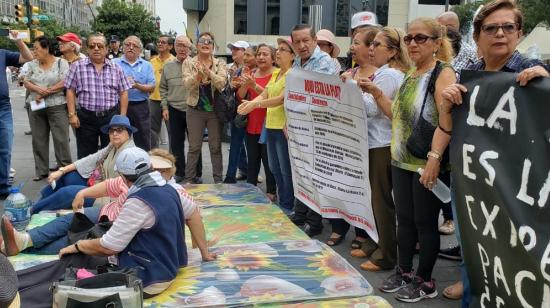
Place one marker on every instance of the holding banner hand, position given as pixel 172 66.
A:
pixel 529 73
pixel 368 86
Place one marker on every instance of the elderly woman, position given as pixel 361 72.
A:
pixel 497 32
pixel 272 98
pixel 203 75
pixel 69 46
pixel 67 181
pixel 326 41
pixel 44 82
pixel 52 237
pixel 417 208
pixel 388 52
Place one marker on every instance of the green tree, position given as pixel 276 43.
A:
pixel 115 17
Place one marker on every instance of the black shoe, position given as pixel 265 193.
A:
pixel 178 178
pixel 3 196
pixel 396 281
pixel 311 231
pixel 417 290
pixel 452 253
pixel 197 180
pixel 28 133
pixel 229 180
pixel 295 220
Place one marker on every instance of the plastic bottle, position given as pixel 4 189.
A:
pixel 440 189
pixel 17 209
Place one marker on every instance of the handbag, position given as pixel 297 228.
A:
pixel 419 142
pixel 240 121
pixel 83 228
pixel 225 105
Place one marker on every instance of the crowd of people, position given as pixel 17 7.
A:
pixel 115 100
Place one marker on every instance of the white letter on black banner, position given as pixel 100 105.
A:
pixel 499 112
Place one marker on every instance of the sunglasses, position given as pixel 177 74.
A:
pixel 419 38
pixel 508 28
pixel 206 41
pixel 117 130
pixel 97 45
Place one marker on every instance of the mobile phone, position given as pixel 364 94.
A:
pixel 4 32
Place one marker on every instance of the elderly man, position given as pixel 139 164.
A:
pixel 102 91
pixel 165 44
pixel 8 58
pixel 466 54
pixel 311 58
pixel 174 106
pixel 142 78
pixel 149 231
pixel 114 48
pixel 69 46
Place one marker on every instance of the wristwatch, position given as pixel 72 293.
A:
pixel 62 169
pixel 72 114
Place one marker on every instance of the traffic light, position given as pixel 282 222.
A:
pixel 35 10
pixel 20 13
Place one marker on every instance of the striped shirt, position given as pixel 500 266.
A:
pixel 96 91
pixel 116 188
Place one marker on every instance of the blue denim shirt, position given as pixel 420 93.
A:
pixel 141 71
pixel 319 62
pixel 7 58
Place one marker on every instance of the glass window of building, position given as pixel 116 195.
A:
pixel 305 10
pixel 240 17
pixel 273 11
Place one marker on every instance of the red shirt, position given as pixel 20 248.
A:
pixel 257 116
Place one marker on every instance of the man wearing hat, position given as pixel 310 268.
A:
pixel 149 231
pixel 102 91
pixel 69 46
pixel 114 47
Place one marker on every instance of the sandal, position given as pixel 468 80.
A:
pixel 356 244
pixel 333 241
pixel 39 178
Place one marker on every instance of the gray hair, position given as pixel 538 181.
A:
pixel 76 47
pixel 140 44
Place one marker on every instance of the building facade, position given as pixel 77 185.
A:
pixel 266 20
pixel 69 12
pixel 149 5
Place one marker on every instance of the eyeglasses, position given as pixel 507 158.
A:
pixel 97 45
pixel 131 45
pixel 283 50
pixel 508 28
pixel 162 42
pixel 206 41
pixel 419 38
pixel 117 130
pixel 376 44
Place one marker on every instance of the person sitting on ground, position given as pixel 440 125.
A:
pixel 52 237
pixel 148 233
pixel 87 171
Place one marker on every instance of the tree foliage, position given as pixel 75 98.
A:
pixel 534 12
pixel 116 17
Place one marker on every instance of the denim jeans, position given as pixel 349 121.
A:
pixel 62 197
pixel 279 163
pixel 6 137
pixel 237 153
pixel 467 294
pixel 50 238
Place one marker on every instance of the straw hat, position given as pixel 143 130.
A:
pixel 327 36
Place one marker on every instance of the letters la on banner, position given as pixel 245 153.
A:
pixel 328 148
pixel 500 155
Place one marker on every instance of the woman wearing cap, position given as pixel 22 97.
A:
pixel 44 81
pixel 203 75
pixel 69 46
pixel 67 181
pixel 326 41
pixel 272 98
pixel 52 237
pixel 388 52
pixel 253 84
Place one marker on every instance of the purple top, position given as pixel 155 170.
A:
pixel 96 91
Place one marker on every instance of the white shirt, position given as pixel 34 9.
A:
pixel 388 80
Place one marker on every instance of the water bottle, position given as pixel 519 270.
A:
pixel 17 209
pixel 440 189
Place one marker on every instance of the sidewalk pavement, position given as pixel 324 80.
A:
pixel 445 272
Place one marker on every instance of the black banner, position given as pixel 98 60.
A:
pixel 500 153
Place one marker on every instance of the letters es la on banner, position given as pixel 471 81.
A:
pixel 500 156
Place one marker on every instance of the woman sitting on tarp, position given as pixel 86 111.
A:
pixel 66 182
pixel 148 234
pixel 52 237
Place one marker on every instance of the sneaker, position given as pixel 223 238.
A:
pixel 240 176
pixel 452 253
pixel 260 179
pixel 447 228
pixel 417 290
pixel 396 281
pixel 229 180
pixel 12 173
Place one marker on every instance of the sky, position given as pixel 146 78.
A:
pixel 171 15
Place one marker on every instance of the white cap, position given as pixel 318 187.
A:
pixel 363 19
pixel 132 161
pixel 238 44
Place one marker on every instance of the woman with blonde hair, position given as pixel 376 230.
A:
pixel 388 52
pixel 417 208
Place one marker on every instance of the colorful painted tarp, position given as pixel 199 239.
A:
pixel 275 272
pixel 215 195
